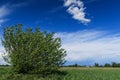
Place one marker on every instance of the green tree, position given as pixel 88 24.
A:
pixel 107 65
pixel 96 65
pixel 32 51
pixel 114 64
pixel 75 65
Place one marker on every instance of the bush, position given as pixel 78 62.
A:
pixel 32 51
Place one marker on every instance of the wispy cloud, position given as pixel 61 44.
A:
pixel 87 46
pixel 2 51
pixel 6 10
pixel 2 61
pixel 77 9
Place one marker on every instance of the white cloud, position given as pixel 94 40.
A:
pixel 96 46
pixel 4 11
pixel 2 51
pixel 77 9
pixel 2 62
pixel 2 21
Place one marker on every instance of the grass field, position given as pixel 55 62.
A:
pixel 66 74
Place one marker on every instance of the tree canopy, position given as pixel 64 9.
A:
pixel 32 51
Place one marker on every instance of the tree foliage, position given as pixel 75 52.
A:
pixel 32 51
pixel 107 65
pixel 96 65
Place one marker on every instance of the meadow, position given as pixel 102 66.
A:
pixel 67 73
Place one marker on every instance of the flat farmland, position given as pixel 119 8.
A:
pixel 67 73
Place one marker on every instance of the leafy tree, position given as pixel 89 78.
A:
pixel 96 65
pixel 75 65
pixel 107 65
pixel 114 64
pixel 32 51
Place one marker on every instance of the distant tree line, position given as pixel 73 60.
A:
pixel 4 65
pixel 74 65
pixel 113 64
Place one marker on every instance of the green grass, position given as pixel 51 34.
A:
pixel 66 74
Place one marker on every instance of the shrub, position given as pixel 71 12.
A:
pixel 32 51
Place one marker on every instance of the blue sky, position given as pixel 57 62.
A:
pixel 89 29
